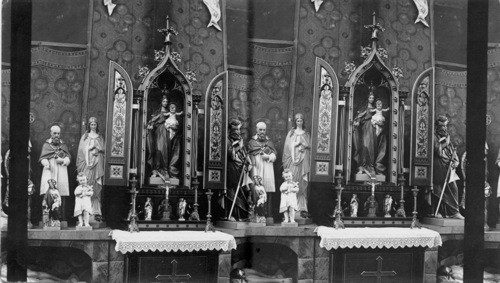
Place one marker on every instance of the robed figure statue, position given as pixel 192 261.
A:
pixel 163 143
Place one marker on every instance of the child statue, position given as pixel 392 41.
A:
pixel 51 205
pixel 83 204
pixel 354 205
pixel 172 115
pixel 288 204
pixel 378 119
pixel 148 209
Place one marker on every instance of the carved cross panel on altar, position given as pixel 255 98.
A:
pixel 216 125
pixel 324 123
pixel 422 104
pixel 119 126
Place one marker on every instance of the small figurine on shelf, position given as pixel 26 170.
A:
pixel 388 205
pixel 83 204
pixel 371 206
pixel 181 209
pixel 51 205
pixel 148 209
pixel 289 189
pixel 259 209
pixel 354 205
pixel 164 209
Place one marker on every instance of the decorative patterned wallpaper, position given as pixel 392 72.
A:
pixel 336 34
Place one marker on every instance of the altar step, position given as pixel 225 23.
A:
pixel 155 225
pixel 377 221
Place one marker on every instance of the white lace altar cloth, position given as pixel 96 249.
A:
pixel 332 238
pixel 172 241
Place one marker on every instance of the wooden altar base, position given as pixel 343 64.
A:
pixel 377 221
pixel 443 222
pixel 377 265
pixel 156 225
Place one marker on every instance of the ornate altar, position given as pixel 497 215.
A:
pixel 362 147
pixel 153 142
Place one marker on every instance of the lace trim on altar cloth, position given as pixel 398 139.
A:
pixel 377 238
pixel 172 241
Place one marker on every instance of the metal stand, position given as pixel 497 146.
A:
pixel 401 210
pixel 414 222
pixel 132 226
pixel 209 226
pixel 338 223
pixel 195 216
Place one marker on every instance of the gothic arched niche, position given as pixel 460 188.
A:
pixel 371 109
pixel 372 140
pixel 167 131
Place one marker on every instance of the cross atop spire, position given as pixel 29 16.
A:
pixel 374 27
pixel 167 32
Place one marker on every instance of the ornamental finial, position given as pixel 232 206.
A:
pixel 168 32
pixel 374 27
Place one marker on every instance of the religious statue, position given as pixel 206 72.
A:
pixel 173 115
pixel 378 119
pixel 354 204
pixel 369 139
pixel 55 158
pixel 51 205
pixel 181 209
pixel 238 180
pixel 262 155
pixel 163 142
pixel 296 158
pixel 371 206
pixel 387 206
pixel 90 162
pixel 164 209
pixel 288 204
pixel 445 163
pixel 148 209
pixel 83 204
pixel 257 213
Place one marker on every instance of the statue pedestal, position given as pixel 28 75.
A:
pixel 256 224
pixel 97 224
pixel 303 221
pixel 289 224
pixel 83 228
pixel 47 228
pixel 448 222
pixel 365 178
pixel 238 225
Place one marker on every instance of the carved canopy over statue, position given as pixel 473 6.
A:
pixel 167 126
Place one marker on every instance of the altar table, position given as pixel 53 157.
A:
pixel 377 254
pixel 172 256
